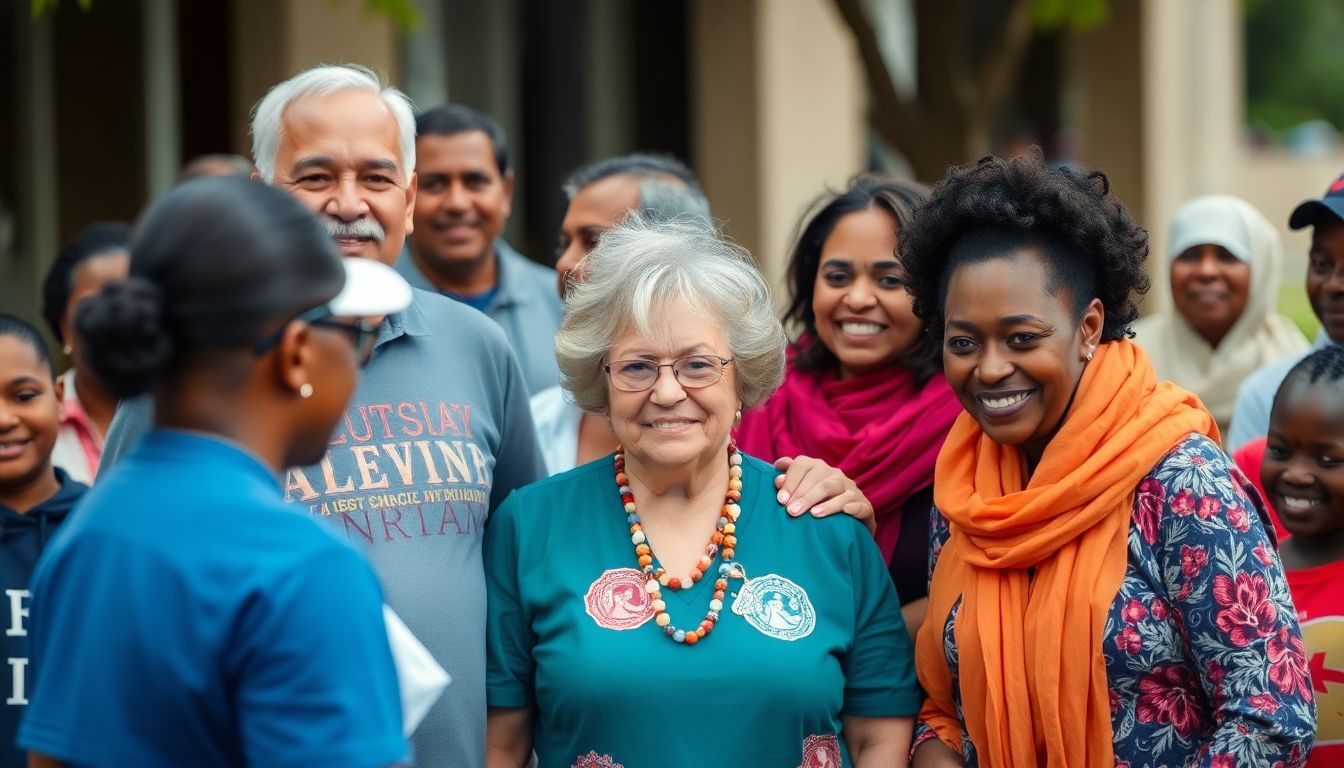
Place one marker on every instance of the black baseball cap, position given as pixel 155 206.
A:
pixel 1309 212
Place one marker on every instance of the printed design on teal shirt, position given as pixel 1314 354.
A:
pixel 776 607
pixel 821 752
pixel 594 760
pixel 617 600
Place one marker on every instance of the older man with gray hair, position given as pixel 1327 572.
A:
pixel 438 431
pixel 601 194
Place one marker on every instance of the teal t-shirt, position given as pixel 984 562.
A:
pixel 815 632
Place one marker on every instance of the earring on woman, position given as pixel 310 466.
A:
pixel 738 416
pixel 305 390
pixel 67 349
pixel 1088 357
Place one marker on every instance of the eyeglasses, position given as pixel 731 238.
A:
pixel 692 372
pixel 363 334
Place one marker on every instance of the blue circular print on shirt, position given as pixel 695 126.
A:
pixel 776 607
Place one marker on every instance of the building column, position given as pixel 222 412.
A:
pixel 163 132
pixel 779 115
pixel 36 211
pixel 276 39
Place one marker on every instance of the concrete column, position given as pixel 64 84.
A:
pixel 1193 108
pixel 426 57
pixel 36 210
pixel 611 115
pixel 279 38
pixel 1157 97
pixel 163 131
pixel 779 114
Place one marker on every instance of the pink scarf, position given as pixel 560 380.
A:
pixel 876 428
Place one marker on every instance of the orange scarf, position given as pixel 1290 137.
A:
pixel 1032 674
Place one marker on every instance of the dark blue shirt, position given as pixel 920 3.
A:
pixel 23 535
pixel 187 615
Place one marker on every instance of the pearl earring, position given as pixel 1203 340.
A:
pixel 737 416
pixel 67 349
pixel 305 390
pixel 1088 356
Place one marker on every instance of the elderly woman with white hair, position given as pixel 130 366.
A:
pixel 656 607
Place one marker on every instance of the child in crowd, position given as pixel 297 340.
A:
pixel 34 498
pixel 1301 470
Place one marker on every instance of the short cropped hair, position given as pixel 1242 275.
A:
pixel 12 325
pixel 324 80
pixel 452 119
pixel 667 188
pixel 636 268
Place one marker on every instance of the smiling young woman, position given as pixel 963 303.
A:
pixel 864 390
pixel 1060 628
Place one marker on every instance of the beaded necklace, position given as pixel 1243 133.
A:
pixel 723 541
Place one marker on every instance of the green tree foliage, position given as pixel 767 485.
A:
pixel 1294 62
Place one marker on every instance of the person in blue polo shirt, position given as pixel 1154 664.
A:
pixel 657 607
pixel 187 615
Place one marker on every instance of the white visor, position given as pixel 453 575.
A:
pixel 372 289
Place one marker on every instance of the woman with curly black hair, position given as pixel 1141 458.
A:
pixel 865 390
pixel 1103 591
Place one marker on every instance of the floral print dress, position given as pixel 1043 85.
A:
pixel 1203 651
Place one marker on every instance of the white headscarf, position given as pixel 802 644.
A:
pixel 1258 337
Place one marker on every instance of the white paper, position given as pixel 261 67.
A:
pixel 421 678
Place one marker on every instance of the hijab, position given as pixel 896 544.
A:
pixel 1259 337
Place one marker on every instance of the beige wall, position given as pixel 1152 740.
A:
pixel 1103 102
pixel 779 114
pixel 1193 118
pixel 278 38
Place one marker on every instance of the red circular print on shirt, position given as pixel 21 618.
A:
pixel 594 760
pixel 617 600
pixel 821 752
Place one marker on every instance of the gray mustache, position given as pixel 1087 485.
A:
pixel 363 227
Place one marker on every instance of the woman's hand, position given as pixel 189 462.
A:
pixel 810 484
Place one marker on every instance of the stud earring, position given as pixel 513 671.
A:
pixel 305 390
pixel 67 349
pixel 1088 356
pixel 738 416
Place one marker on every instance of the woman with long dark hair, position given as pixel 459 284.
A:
pixel 864 390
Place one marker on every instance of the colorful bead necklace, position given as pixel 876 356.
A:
pixel 722 542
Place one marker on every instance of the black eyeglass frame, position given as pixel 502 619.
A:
pixel 658 370
pixel 365 333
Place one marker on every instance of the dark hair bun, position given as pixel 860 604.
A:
pixel 124 337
